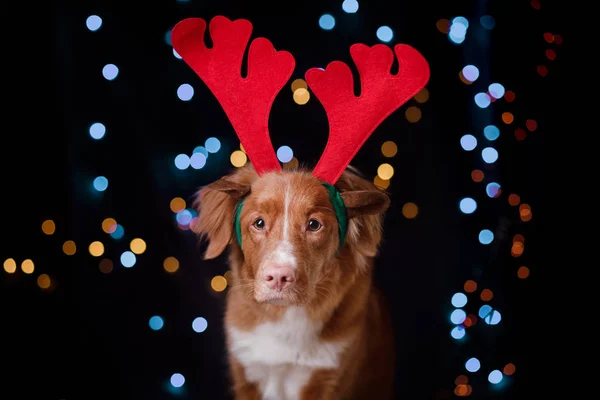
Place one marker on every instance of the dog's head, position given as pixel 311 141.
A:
pixel 285 227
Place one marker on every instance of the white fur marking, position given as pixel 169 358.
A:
pixel 281 356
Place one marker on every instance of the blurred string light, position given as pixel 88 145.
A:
pixel 458 30
pixel 128 259
pixel 381 183
pixel 477 175
pixel 109 225
pixel 482 100
pixel 301 96
pixel 468 142
pixel 327 22
pixel 10 265
pixel 531 125
pixel 97 130
pixel 520 134
pixel 96 248
pixel 458 332
pixel 472 364
pixel 385 33
pixel 292 164
pixel 218 283
pixel 413 114
pixel 488 22
pixel 197 160
pixel 493 190
pixel 508 117
pixel 410 210
pixel 200 149
pixel 185 92
pixel 44 281
pixel 176 54
pixel 422 96
pixel 27 266
pixel 491 132
pixel 389 149
pixel 105 266
pixel 238 158
pixel 486 295
pixel 100 183
pixel 48 227
pixel 523 272
pixel 110 71
pixel 93 23
pixel 486 236
pixel 495 377
pixel 458 316
pixel 171 264
pixel 496 90
pixel 298 84
pixel 525 212
pixel 137 246
pixel 459 300
pixel 156 323
pixel 118 233
pixel 470 73
pixel 182 161
pixel 184 217
pixel 69 247
pixel 509 96
pixel 285 154
pixel 168 38
pixel 489 155
pixel 509 369
pixel 199 325
pixel 470 286
pixel 177 380
pixel 212 145
pixel 350 6
pixel 514 199
pixel 385 171
pixel 177 204
pixel 468 205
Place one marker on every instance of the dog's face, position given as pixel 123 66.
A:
pixel 289 231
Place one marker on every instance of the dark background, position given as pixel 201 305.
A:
pixel 88 337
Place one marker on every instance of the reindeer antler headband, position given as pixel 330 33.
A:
pixel 247 101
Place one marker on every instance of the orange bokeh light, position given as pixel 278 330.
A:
pixel 548 37
pixel 470 286
pixel 507 118
pixel 523 272
pixel 461 380
pixel 514 200
pixel 443 25
pixel 509 369
pixel 509 96
pixel 520 134
pixel 519 238
pixel 486 294
pixel 531 124
pixel 477 175
pixel 517 249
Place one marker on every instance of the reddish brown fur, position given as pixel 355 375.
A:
pixel 334 288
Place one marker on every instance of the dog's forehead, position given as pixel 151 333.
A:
pixel 290 186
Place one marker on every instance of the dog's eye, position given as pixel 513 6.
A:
pixel 259 223
pixel 314 225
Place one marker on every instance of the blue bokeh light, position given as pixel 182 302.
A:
pixel 177 380
pixel 184 217
pixel 491 132
pixel 385 33
pixel 185 92
pixel 168 37
pixel 495 376
pixel 492 189
pixel 458 316
pixel 458 332
pixel 461 21
pixel 484 311
pixel 93 23
pixel 100 183
pixel 97 130
pixel 472 364
pixel 482 100
pixel 458 31
pixel 110 71
pixel 285 154
pixel 488 22
pixel 201 149
pixel 468 142
pixel 212 145
pixel 198 160
pixel 468 205
pixel 176 54
pixel 182 161
pixel 493 318
pixel 327 22
pixel 128 259
pixel 199 325
pixel 350 6
pixel 118 233
pixel 489 155
pixel 459 300
pixel 156 323
pixel 496 90
pixel 486 236
pixel 471 73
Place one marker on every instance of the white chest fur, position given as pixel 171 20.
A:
pixel 281 356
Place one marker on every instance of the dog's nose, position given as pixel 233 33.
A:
pixel 279 277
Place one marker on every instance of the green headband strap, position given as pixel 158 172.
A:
pixel 338 207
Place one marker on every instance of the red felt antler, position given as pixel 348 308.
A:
pixel 352 119
pixel 246 101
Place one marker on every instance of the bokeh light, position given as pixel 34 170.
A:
pixel 484 310
pixel 138 246
pixel 197 160
pixel 96 248
pixel 97 130
pixel 176 54
pixel 509 96
pixel 550 54
pixel 105 266
pixel 486 236
pixel 477 175
pixel 531 125
pixel 488 22
pixel 128 259
pixel 495 377
pixel 489 155
pixel 100 183
pixel 458 316
pixel 199 325
pixel 48 227
pixel 458 332
pixel 200 149
pixel 69 247
pixel 459 300
pixel 212 145
pixel 496 90
pixel 486 295
pixel 482 100
pixel 184 217
pixel 93 23
pixel 468 142
pixel 413 114
pixel 493 318
pixel 525 212
pixel 385 33
pixel 491 132
pixel 301 96
pixel 514 200
pixel 470 286
pixel 470 73
pixel 218 283
pixel 422 96
pixel 458 30
pixel 156 323
pixel 461 380
pixel 292 164
pixel 509 369
pixel 10 265
pixel 44 281
pixel 389 149
pixel 285 154
pixel 381 183
pixel 493 189
pixel 177 204
pixel 299 84
pixel 109 225
pixel 443 25
pixel 385 171
pixel 327 22
pixel 118 233
pixel 410 210
pixel 520 134
pixel 110 71
pixel 182 161
pixel 177 380
pixel 467 205
pixel 27 266
pixel 350 6
pixel 523 272
pixel 542 70
pixel 185 92
pixel 507 118
pixel 472 364
pixel 171 264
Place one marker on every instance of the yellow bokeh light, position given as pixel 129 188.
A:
pixel 410 210
pixel 242 148
pixel 48 227
pixel 218 283
pixel 228 276
pixel 171 264
pixel 238 158
pixel 301 96
pixel 27 266
pixel 43 281
pixel 385 171
pixel 381 183
pixel 413 114
pixel 96 248
pixel 10 266
pixel 138 246
pixel 177 204
pixel 292 164
pixel 109 225
pixel 422 96
pixel 106 266
pixel 389 149
pixel 299 84
pixel 69 247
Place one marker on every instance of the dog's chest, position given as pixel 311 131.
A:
pixel 281 357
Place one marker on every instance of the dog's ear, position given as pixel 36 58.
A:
pixel 365 202
pixel 216 204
